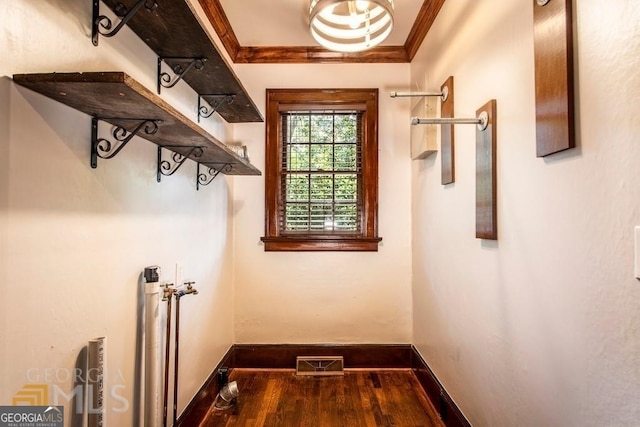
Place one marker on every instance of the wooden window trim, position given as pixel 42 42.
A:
pixel 292 99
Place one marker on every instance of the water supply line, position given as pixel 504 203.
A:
pixel 175 361
pixel 153 343
pixel 167 295
pixel 179 293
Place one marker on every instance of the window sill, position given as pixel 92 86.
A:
pixel 324 243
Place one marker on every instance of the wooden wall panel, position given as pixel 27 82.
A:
pixel 447 139
pixel 553 47
pixel 486 206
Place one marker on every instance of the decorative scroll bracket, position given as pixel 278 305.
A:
pixel 207 176
pixel 105 149
pixel 166 168
pixel 164 79
pixel 101 24
pixel 205 112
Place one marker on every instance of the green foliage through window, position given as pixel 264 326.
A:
pixel 321 165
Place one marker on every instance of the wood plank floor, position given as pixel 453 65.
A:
pixel 357 399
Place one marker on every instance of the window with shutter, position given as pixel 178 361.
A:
pixel 321 170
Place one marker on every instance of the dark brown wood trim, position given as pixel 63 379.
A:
pixel 278 100
pixel 356 356
pixel 197 409
pixel 283 356
pixel 446 407
pixel 314 54
pixel 297 244
pixel 318 55
pixel 427 15
pixel 215 13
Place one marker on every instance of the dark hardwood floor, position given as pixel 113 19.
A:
pixel 357 399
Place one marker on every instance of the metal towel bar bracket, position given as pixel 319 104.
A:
pixel 444 94
pixel 481 121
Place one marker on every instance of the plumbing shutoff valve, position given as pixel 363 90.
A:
pixel 189 290
pixel 167 291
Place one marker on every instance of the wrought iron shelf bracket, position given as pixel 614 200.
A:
pixel 169 167
pixel 106 149
pixel 164 79
pixel 220 100
pixel 102 25
pixel 206 176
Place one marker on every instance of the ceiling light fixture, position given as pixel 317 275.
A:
pixel 350 25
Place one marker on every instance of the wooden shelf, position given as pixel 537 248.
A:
pixel 172 30
pixel 116 98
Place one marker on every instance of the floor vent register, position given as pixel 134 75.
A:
pixel 319 365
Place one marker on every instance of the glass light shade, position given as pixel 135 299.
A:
pixel 350 25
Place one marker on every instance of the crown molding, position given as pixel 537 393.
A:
pixel 313 54
pixel 427 15
pixel 317 55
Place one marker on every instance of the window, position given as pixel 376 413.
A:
pixel 320 171
pixel 321 183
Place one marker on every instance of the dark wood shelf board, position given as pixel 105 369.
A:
pixel 113 96
pixel 173 30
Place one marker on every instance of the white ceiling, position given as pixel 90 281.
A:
pixel 285 22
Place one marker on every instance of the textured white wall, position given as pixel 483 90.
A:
pixel 285 297
pixel 541 327
pixel 74 240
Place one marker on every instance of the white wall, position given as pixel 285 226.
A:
pixel 74 241
pixel 332 297
pixel 541 327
